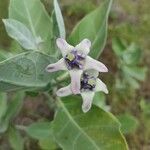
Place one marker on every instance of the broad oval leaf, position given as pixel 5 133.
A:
pixel 33 14
pixel 21 33
pixel 25 71
pixel 94 130
pixel 94 27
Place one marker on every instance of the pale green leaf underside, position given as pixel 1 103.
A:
pixel 21 33
pixel 94 27
pixel 25 71
pixel 33 14
pixel 95 130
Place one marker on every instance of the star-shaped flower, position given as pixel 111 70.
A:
pixel 75 60
pixel 90 83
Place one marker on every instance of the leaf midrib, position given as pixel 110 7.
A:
pixel 29 20
pixel 74 122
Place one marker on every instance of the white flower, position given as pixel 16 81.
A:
pixel 75 60
pixel 89 85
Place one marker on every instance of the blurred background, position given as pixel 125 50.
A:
pixel 126 54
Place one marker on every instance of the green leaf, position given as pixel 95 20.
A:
pixel 100 101
pixel 39 130
pixel 128 123
pixel 3 104
pixel 145 107
pixel 118 46
pixel 13 108
pixel 4 55
pixel 47 144
pixel 33 14
pixel 15 139
pixel 21 33
pixel 59 19
pixel 132 54
pixel 135 72
pixel 25 71
pixel 94 130
pixel 94 27
pixel 134 84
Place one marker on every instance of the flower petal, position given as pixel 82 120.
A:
pixel 75 80
pixel 100 86
pixel 84 46
pixel 94 64
pixel 87 100
pixel 64 46
pixel 65 91
pixel 60 65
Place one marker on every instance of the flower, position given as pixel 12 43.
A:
pixel 75 60
pixel 90 83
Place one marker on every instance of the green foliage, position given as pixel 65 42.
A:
pixel 33 15
pixel 39 130
pixel 128 63
pixel 47 144
pixel 100 101
pixel 96 25
pixel 3 105
pixel 15 139
pixel 95 130
pixel 128 123
pixel 145 107
pixel 59 19
pixel 11 111
pixel 27 71
pixel 34 29
pixel 21 33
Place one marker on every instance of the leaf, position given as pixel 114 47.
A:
pixel 4 55
pixel 118 46
pixel 47 144
pixel 15 139
pixel 39 130
pixel 25 71
pixel 33 14
pixel 134 84
pixel 135 72
pixel 128 123
pixel 21 33
pixel 3 104
pixel 145 107
pixel 13 108
pixel 132 54
pixel 59 19
pixel 100 101
pixel 94 27
pixel 94 130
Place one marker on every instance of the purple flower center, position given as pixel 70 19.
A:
pixel 74 60
pixel 88 82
